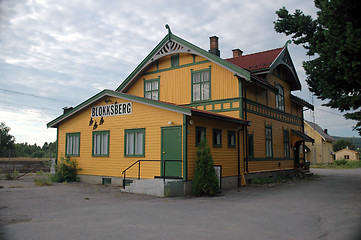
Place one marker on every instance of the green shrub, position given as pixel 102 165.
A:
pixel 65 171
pixel 42 178
pixel 11 175
pixel 205 180
pixel 340 162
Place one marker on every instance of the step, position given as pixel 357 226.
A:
pixel 156 187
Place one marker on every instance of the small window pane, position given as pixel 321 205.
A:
pixel 130 143
pixel 205 91
pixel 196 92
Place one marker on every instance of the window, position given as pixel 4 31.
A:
pixel 201 85
pixel 101 144
pixel 280 98
pixel 174 59
pixel 217 138
pixel 72 144
pixel 250 145
pixel 134 142
pixel 347 157
pixel 151 89
pixel 231 139
pixel 200 134
pixel 269 148
pixel 286 143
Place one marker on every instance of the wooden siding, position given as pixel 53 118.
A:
pixel 175 83
pixel 143 116
pixel 259 163
pixel 224 156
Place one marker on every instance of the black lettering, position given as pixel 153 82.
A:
pixel 104 110
pixel 108 110
pixel 116 109
pixel 129 108
pixel 120 108
pixel 93 112
pixel 100 112
pixel 124 108
pixel 112 109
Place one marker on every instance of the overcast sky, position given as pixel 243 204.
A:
pixel 59 53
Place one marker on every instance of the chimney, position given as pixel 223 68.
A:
pixel 67 109
pixel 237 52
pixel 213 42
pixel 325 130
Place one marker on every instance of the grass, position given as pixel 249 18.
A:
pixel 280 178
pixel 339 164
pixel 42 179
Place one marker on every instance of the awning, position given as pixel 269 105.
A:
pixel 301 136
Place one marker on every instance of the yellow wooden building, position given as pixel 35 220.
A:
pixel 149 127
pixel 347 154
pixel 321 150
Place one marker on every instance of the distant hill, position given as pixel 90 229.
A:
pixel 355 140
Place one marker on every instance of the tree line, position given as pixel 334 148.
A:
pixel 8 147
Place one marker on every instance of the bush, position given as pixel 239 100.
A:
pixel 42 179
pixel 11 175
pixel 65 171
pixel 205 180
pixel 340 162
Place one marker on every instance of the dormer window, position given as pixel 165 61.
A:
pixel 280 98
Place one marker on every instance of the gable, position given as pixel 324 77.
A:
pixel 172 44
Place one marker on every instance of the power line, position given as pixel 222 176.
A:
pixel 329 112
pixel 33 95
pixel 25 105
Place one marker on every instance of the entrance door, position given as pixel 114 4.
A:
pixel 171 151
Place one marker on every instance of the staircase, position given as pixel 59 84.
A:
pixel 156 187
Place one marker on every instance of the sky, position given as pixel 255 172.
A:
pixel 56 54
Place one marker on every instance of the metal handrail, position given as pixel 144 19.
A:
pixel 143 160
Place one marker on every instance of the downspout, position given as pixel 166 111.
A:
pixel 239 158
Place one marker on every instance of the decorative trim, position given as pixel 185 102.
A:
pixel 213 103
pixel 177 67
pixel 270 159
pixel 272 113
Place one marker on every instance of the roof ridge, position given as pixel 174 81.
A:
pixel 247 55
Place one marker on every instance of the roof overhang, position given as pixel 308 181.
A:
pixel 302 136
pixel 302 102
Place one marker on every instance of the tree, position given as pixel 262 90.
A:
pixel 6 140
pixel 205 180
pixel 334 38
pixel 341 144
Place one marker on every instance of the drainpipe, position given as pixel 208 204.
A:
pixel 239 158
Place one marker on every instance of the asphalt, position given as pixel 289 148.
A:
pixel 326 207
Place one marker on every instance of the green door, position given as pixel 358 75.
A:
pixel 171 152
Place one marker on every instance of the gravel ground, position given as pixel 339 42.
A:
pixel 328 207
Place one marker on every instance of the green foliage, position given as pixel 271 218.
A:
pixel 48 150
pixel 11 175
pixel 205 180
pixel 334 39
pixel 340 162
pixel 341 144
pixel 42 179
pixel 65 170
pixel 6 140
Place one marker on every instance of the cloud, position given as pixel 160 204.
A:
pixel 70 50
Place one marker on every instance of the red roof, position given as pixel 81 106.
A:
pixel 256 61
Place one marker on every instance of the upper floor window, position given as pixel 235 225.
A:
pixel 201 85
pixel 72 144
pixel 174 60
pixel 151 89
pixel 280 98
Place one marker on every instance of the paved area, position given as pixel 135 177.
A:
pixel 328 207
